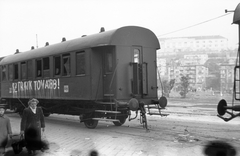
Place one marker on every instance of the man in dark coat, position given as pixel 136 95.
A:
pixel 32 124
pixel 5 129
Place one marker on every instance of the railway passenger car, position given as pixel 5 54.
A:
pixel 103 76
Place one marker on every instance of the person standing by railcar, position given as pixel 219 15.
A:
pixel 5 129
pixel 32 125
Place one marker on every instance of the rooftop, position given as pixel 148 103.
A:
pixel 195 37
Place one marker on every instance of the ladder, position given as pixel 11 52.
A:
pixel 107 113
pixel 155 107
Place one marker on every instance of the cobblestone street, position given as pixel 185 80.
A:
pixel 178 134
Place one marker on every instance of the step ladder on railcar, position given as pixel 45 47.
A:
pixel 157 105
pixel 114 115
pixel 161 103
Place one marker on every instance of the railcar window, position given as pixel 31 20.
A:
pixel 109 62
pixel 23 70
pixel 136 56
pixel 57 65
pixel 4 73
pixel 10 72
pixel 66 65
pixel 80 59
pixel 46 67
pixel 16 72
pixel 29 71
pixel 39 68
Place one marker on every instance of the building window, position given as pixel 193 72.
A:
pixel 15 71
pixel 66 65
pixel 24 70
pixel 80 65
pixel 39 68
pixel 46 67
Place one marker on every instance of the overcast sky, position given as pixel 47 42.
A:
pixel 50 20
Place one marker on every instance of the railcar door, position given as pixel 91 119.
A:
pixel 139 80
pixel 108 74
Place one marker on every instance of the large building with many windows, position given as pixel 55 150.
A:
pixel 174 45
pixel 227 75
pixel 190 55
pixel 196 74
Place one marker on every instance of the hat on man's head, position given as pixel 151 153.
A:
pixel 3 106
pixel 33 100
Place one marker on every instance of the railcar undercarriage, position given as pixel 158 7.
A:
pixel 90 112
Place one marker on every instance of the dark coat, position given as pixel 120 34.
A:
pixel 31 124
pixel 5 129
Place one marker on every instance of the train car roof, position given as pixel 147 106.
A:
pixel 1 58
pixel 124 36
pixel 236 17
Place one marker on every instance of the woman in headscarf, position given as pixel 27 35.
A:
pixel 5 129
pixel 32 124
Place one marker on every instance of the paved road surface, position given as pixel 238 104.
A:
pixel 186 131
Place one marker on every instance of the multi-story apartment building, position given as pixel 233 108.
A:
pixel 162 66
pixel 196 59
pixel 192 53
pixel 227 77
pixel 196 73
pixel 195 43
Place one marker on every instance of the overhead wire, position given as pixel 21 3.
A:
pixel 194 25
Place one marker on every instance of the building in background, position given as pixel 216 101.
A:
pixel 196 73
pixel 227 76
pixel 186 56
pixel 209 44
pixel 194 59
pixel 162 66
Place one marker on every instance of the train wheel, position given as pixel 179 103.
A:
pixel 91 124
pixel 122 121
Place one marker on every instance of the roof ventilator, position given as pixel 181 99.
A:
pixel 63 39
pixel 17 51
pixel 102 29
